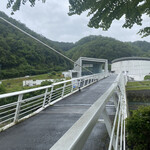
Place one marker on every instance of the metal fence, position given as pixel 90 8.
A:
pixel 24 104
pixel 78 134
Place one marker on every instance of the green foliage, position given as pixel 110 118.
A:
pixel 143 45
pixel 20 55
pixel 147 77
pixel 138 129
pixel 138 85
pixel 44 83
pixel 2 89
pixel 103 47
pixel 102 13
pixel 53 73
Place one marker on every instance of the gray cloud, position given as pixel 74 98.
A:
pixel 51 20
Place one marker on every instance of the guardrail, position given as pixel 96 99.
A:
pixel 76 136
pixel 30 102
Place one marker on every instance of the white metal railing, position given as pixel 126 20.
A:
pixel 76 136
pixel 29 102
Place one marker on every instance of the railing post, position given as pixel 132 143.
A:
pixel 88 80
pixel 50 97
pixel 18 108
pixel 45 97
pixel 79 84
pixel 63 90
pixel 84 82
pixel 72 87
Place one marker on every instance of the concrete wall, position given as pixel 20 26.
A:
pixel 136 69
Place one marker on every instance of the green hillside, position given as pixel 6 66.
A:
pixel 143 45
pixel 20 55
pixel 103 47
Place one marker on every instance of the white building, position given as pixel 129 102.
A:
pixel 36 82
pixel 86 66
pixel 135 67
pixel 95 65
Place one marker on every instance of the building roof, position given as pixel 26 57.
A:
pixel 130 58
pixel 92 59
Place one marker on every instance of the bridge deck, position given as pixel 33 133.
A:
pixel 41 131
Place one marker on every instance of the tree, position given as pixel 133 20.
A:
pixel 105 11
pixel 138 129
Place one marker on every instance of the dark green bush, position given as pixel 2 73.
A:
pixel 138 129
pixel 44 83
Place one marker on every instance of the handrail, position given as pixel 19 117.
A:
pixel 44 87
pixel 36 102
pixel 77 135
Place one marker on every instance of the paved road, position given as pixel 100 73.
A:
pixel 41 131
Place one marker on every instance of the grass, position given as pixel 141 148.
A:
pixel 16 84
pixel 138 85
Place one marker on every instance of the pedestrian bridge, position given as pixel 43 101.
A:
pixel 84 113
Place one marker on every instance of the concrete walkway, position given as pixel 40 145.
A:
pixel 43 130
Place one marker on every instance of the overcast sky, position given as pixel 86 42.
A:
pixel 51 20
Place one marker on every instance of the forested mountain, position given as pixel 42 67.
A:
pixel 104 47
pixel 143 45
pixel 20 55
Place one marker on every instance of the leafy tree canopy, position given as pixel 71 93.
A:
pixel 103 12
pixel 138 129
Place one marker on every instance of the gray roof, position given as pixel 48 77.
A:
pixel 91 59
pixel 131 58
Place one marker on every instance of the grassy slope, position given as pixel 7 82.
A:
pixel 16 84
pixel 139 85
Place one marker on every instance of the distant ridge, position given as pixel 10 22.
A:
pixel 20 55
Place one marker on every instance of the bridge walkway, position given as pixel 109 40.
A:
pixel 43 130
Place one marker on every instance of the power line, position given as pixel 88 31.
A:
pixel 44 44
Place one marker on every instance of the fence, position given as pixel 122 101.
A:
pixel 29 102
pixel 77 135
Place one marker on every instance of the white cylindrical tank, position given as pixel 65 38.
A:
pixel 135 67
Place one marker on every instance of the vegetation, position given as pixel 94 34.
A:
pixel 104 47
pixel 21 55
pixel 143 45
pixel 2 89
pixel 138 85
pixel 44 83
pixel 102 13
pixel 12 85
pixel 138 94
pixel 147 77
pixel 138 129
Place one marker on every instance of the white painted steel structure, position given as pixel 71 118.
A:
pixel 135 67
pixel 76 136
pixel 32 101
pixel 87 62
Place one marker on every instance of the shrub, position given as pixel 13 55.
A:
pixel 2 89
pixel 147 77
pixel 44 83
pixel 138 129
pixel 53 73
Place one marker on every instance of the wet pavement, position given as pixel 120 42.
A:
pixel 43 130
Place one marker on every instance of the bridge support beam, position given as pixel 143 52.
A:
pixel 18 108
pixel 108 124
